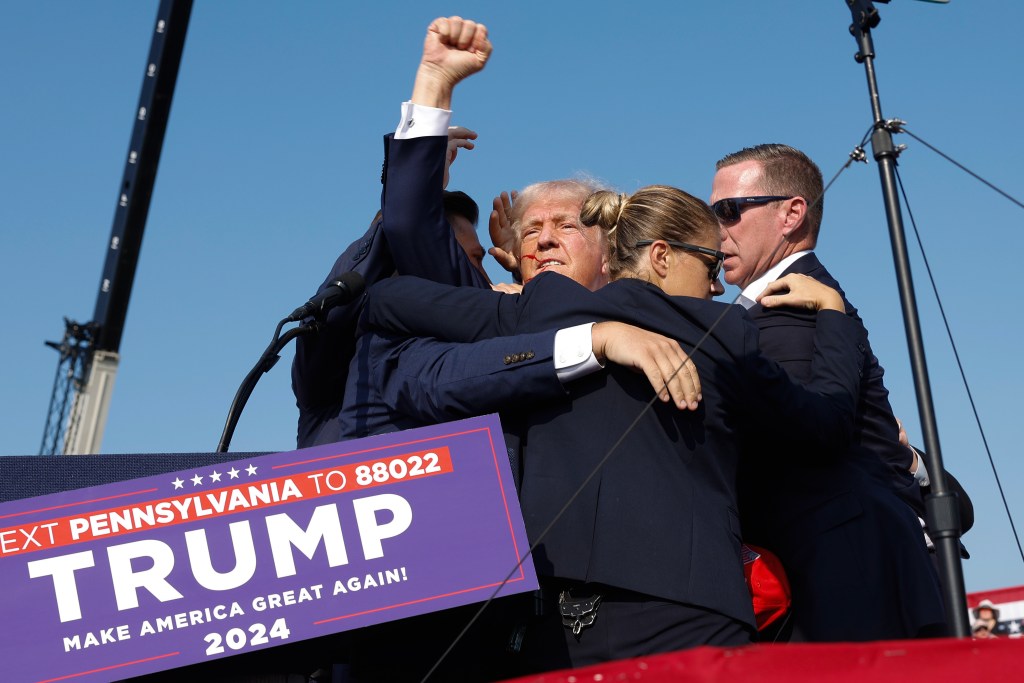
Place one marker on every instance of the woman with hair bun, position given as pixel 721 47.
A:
pixel 646 558
pixel 663 214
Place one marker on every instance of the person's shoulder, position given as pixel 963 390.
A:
pixel 554 282
pixel 811 266
pixel 634 293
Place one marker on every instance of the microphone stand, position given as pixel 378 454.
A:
pixel 941 504
pixel 263 365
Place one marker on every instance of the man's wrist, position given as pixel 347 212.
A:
pixel 432 88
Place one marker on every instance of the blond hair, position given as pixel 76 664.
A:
pixel 651 213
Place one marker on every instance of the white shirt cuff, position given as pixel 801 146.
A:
pixel 574 353
pixel 927 539
pixel 420 121
pixel 921 474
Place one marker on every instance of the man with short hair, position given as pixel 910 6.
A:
pixel 549 237
pixel 462 214
pixel 853 551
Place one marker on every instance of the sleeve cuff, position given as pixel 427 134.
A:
pixel 921 474
pixel 574 353
pixel 420 121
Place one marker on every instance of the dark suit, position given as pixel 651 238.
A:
pixel 410 236
pixel 659 518
pixel 854 553
pixel 420 391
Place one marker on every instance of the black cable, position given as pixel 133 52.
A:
pixel 959 365
pixel 962 168
pixel 618 442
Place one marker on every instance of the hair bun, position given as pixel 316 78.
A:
pixel 604 208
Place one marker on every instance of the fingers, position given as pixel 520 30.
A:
pixel 445 28
pixel 801 291
pixel 677 376
pixel 463 37
pixel 453 149
pixel 688 393
pixel 479 43
pixel 464 34
pixel 780 285
pixel 508 288
pixel 505 259
pixel 461 133
pixel 903 438
pixel 500 224
pixel 494 228
pixel 503 206
pixel 455 145
pixel 671 373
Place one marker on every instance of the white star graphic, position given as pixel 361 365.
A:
pixel 1014 627
pixel 251 469
pixel 233 473
pixel 197 480
pixel 178 483
pixel 215 476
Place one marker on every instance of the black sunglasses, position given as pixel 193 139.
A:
pixel 714 268
pixel 728 210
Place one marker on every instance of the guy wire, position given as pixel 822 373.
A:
pixel 956 353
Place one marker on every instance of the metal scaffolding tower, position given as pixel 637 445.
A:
pixel 89 352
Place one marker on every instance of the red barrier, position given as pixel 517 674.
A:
pixel 901 661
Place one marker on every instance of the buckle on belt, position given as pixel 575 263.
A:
pixel 578 613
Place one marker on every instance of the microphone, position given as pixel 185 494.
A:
pixel 341 290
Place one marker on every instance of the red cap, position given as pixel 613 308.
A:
pixel 766 580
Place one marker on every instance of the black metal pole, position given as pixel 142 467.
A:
pixel 942 508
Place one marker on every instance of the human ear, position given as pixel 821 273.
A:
pixel 796 212
pixel 660 256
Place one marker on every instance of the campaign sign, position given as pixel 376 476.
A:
pixel 149 574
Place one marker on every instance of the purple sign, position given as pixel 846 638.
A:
pixel 139 576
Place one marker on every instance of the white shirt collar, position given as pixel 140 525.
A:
pixel 754 289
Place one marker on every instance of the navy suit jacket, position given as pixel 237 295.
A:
pixel 660 515
pixel 787 335
pixel 414 383
pixel 853 551
pixel 410 236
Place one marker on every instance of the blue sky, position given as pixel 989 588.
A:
pixel 271 166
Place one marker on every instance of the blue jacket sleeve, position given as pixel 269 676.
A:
pixel 823 412
pixel 415 226
pixel 434 381
pixel 410 235
pixel 409 306
pixel 416 308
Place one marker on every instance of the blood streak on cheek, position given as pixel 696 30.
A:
pixel 528 256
